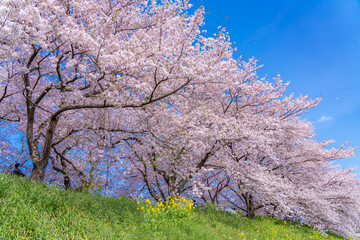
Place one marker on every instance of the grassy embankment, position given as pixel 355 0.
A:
pixel 30 210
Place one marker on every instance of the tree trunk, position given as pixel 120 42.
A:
pixel 67 183
pixel 171 187
pixel 107 177
pixel 250 208
pixel 40 163
pixel 39 168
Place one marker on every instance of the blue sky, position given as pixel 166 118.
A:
pixel 314 44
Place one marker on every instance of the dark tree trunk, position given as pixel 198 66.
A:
pixel 38 171
pixel 40 163
pixel 250 208
pixel 67 183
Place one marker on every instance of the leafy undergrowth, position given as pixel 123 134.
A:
pixel 30 210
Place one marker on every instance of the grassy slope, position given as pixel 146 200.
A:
pixel 30 210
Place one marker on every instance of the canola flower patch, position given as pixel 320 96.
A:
pixel 172 210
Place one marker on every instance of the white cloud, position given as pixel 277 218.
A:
pixel 324 118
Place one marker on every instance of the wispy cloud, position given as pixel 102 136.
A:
pixel 324 118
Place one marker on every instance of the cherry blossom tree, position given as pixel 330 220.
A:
pixel 182 140
pixel 251 152
pixel 66 57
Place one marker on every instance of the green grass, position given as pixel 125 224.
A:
pixel 30 210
